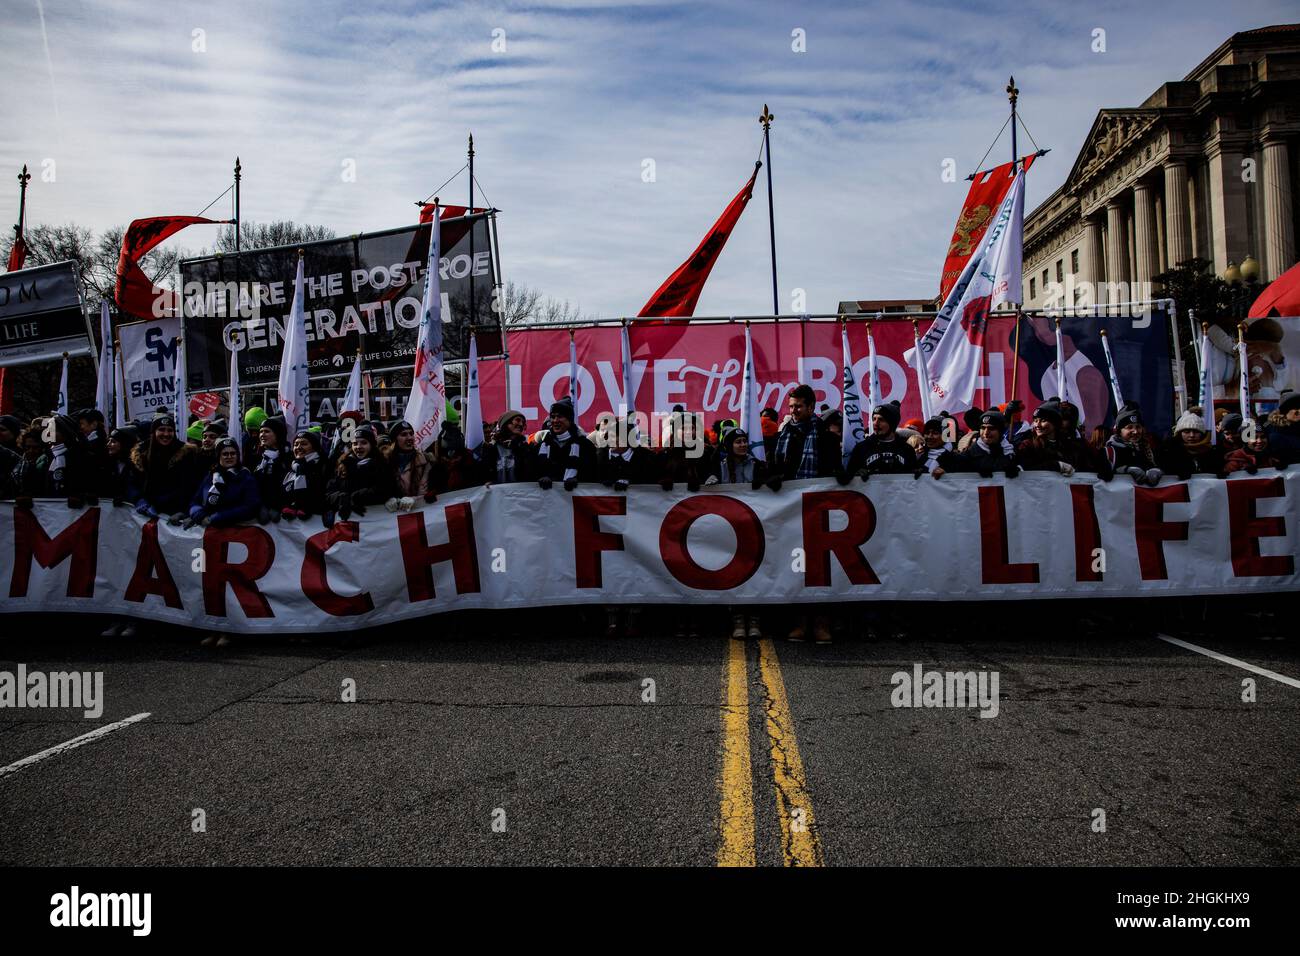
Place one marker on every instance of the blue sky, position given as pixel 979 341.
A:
pixel 138 122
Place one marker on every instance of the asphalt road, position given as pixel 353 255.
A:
pixel 533 739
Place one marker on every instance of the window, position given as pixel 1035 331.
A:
pixel 1032 292
pixel 1074 262
pixel 1044 278
pixel 1060 270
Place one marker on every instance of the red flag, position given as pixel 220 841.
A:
pixel 987 191
pixel 135 293
pixel 679 293
pixel 17 254
pixel 448 212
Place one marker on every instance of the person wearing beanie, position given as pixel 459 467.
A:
pixel 936 455
pixel 564 454
pixel 1284 429
pixel 66 469
pixel 834 421
pixel 212 433
pixel 194 433
pixel 249 442
pixel 1050 447
pixel 804 447
pixel 735 462
pixel 989 453
pixel 883 452
pixel 508 457
pixel 118 481
pixel 304 480
pixel 227 495
pixel 361 479
pixel 1229 435
pixel 685 457
pixel 1253 452
pixel 168 470
pixel 621 459
pixel 269 468
pixel 1188 450
pixel 412 469
pixel 26 480
pixel 1129 450
pixel 454 466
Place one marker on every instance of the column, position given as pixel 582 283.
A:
pixel 1145 248
pixel 1092 265
pixel 1116 251
pixel 1227 232
pixel 1162 249
pixel 1178 224
pixel 1279 233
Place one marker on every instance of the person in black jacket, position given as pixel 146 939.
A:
pixel 883 452
pixel 167 471
pixel 269 468
pixel 11 433
pixel 1129 450
pixel 91 423
pixel 67 469
pixel 988 453
pixel 508 458
pixel 1284 429
pixel 623 461
pixel 304 481
pixel 1188 450
pixel 362 478
pixel 735 463
pixel 118 481
pixel 564 454
pixel 1049 447
pixel 805 447
pixel 686 455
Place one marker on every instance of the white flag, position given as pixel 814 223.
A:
pixel 119 389
pixel 106 387
pixel 954 344
pixel 751 419
pixel 474 408
pixel 294 390
pixel 427 406
pixel 1243 379
pixel 573 372
pixel 918 366
pixel 629 392
pixel 873 372
pixel 236 427
pixel 1207 385
pixel 61 406
pixel 352 397
pixel 180 407
pixel 1114 377
pixel 851 407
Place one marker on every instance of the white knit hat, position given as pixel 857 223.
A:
pixel 1189 420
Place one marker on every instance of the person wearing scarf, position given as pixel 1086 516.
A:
pixel 454 467
pixel 227 495
pixel 118 480
pixel 936 456
pixel 805 447
pixel 1188 450
pixel 90 421
pixel 168 471
pixel 412 469
pixel 270 466
pixel 623 460
pixel 1050 448
pixel 1284 429
pixel 686 455
pixel 564 454
pixel 361 478
pixel 988 453
pixel 1129 451
pixel 304 481
pixel 66 467
pixel 735 463
pixel 1254 452
pixel 882 452
pixel 508 457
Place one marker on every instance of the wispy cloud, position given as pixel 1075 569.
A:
pixel 154 113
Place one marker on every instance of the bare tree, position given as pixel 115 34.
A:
pixel 264 235
pixel 525 306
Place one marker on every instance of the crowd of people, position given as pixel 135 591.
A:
pixel 210 474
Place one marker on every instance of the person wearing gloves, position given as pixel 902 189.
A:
pixel 1129 450
pixel 804 448
pixel 304 481
pixel 736 464
pixel 228 494
pixel 167 471
pixel 686 457
pixel 883 452
pixel 1284 429
pixel 66 469
pixel 270 466
pixel 988 453
pixel 508 457
pixel 1049 447
pixel 563 454
pixel 624 462
pixel 937 455
pixel 362 478
pixel 1254 452
pixel 412 469
pixel 454 466
pixel 1188 450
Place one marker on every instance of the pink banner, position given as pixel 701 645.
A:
pixel 699 366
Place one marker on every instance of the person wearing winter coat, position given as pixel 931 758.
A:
pixel 988 453
pixel 304 482
pixel 167 471
pixel 1254 452
pixel 118 482
pixel 936 455
pixel 1049 446
pixel 564 455
pixel 95 439
pixel 883 452
pixel 508 457
pixel 269 468
pixel 1188 450
pixel 66 469
pixel 625 462
pixel 227 495
pixel 1284 429
pixel 805 447
pixel 361 479
pixel 736 464
pixel 213 432
pixel 28 476
pixel 1129 450
pixel 454 466
pixel 686 457
pixel 11 433
pixel 412 469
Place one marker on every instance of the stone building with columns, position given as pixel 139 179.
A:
pixel 1205 167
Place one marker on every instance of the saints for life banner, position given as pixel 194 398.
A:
pixel 148 352
pixel 700 366
pixel 518 546
pixel 362 292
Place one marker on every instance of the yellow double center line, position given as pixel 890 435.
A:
pixel 800 845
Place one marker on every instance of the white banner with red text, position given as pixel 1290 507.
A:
pixel 516 546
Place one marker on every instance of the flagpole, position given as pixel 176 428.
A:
pixel 23 179
pixel 1013 94
pixel 1015 364
pixel 473 305
pixel 766 120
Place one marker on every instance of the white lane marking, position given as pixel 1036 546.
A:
pixel 72 744
pixel 1263 672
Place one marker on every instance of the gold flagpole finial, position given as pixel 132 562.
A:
pixel 766 118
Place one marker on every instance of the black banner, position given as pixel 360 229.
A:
pixel 40 315
pixel 362 292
